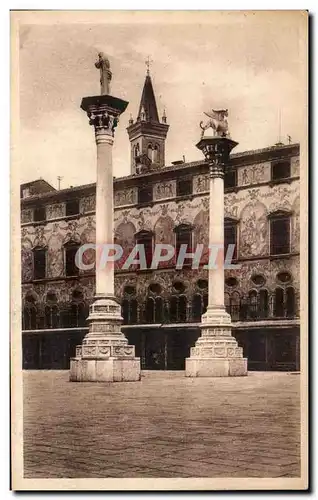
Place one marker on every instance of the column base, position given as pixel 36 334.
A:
pixel 105 355
pixel 214 367
pixel 105 370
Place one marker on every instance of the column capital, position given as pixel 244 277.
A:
pixel 104 123
pixel 216 151
pixel 103 112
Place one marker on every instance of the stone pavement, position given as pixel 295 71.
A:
pixel 164 426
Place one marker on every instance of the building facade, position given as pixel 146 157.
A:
pixel 162 308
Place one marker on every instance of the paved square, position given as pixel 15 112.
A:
pixel 164 426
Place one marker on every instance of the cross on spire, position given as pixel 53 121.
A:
pixel 148 62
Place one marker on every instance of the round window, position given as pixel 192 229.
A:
pixel 155 288
pixel 258 279
pixel 202 284
pixel 231 281
pixel 179 286
pixel 284 277
pixel 129 290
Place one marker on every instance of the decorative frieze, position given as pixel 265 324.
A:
pixel 201 183
pixel 163 190
pixel 125 197
pixel 253 174
pixel 87 204
pixel 55 211
pixel 26 215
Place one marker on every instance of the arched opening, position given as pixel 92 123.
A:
pixel 227 302
pixel 290 302
pixel 263 303
pixel 174 309
pixel 182 316
pixel 278 309
pixel 150 310
pixel 133 311
pixel 129 305
pixel 29 314
pixel 78 310
pixel 149 151
pixel 155 153
pixel 51 311
pixel 197 307
pixel 158 310
pixel 252 304
pixel 235 306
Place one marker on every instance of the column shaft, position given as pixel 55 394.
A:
pixel 216 237
pixel 104 213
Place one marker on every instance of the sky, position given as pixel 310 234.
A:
pixel 252 64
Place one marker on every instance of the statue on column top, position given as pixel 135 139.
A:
pixel 218 122
pixel 105 74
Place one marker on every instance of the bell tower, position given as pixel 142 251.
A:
pixel 147 134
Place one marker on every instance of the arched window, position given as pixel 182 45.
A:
pixel 158 310
pixel 252 304
pixel 150 310
pixel 155 153
pixel 197 307
pixel 174 309
pixel 278 309
pixel 182 316
pixel 263 303
pixel 149 151
pixel 29 314
pixel 290 302
pixel 235 306
pixel 178 309
pixel 51 311
pixel 78 310
pixel 136 150
pixel 129 305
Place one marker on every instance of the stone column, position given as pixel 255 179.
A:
pixel 105 355
pixel 216 352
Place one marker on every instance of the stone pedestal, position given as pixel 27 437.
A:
pixel 105 355
pixel 216 352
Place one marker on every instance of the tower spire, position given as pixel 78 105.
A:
pixel 148 102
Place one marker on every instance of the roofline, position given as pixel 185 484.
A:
pixel 84 187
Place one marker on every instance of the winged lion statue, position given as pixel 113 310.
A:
pixel 217 121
